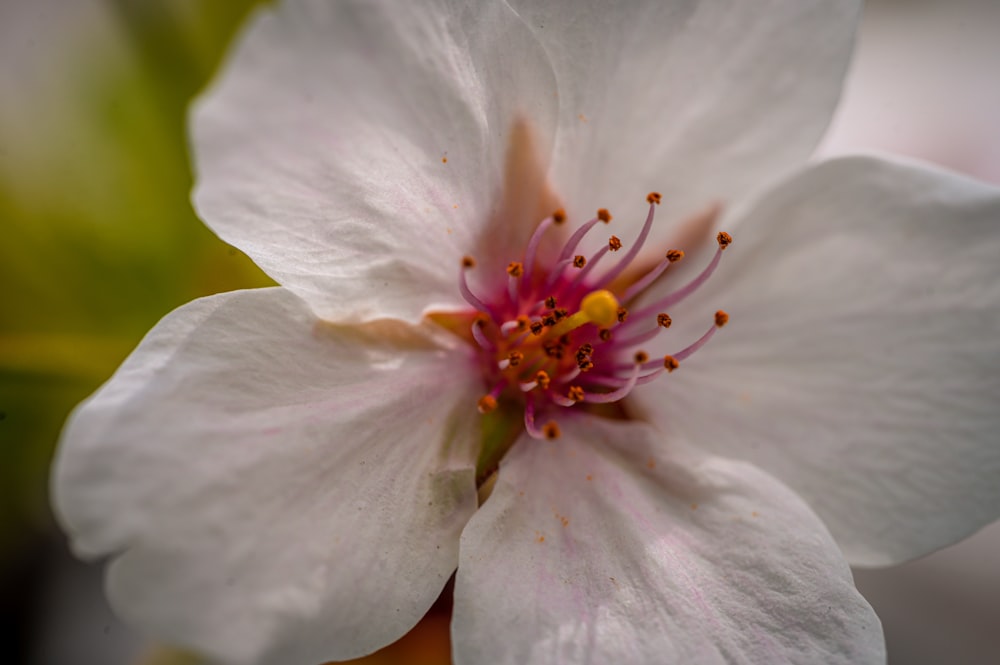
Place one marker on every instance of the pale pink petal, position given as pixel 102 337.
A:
pixel 273 487
pixel 861 364
pixel 703 101
pixel 613 544
pixel 355 149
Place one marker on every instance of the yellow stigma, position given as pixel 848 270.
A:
pixel 600 307
pixel 597 307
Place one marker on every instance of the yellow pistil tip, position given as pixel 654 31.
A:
pixel 600 307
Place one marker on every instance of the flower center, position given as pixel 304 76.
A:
pixel 556 338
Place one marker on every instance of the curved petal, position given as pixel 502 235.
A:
pixel 279 488
pixel 355 149
pixel 701 100
pixel 862 362
pixel 612 545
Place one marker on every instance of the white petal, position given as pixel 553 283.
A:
pixel 701 100
pixel 355 149
pixel 613 545
pixel 280 488
pixel 862 362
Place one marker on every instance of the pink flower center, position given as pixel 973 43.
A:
pixel 561 337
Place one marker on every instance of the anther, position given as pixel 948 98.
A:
pixel 724 239
pixel 675 255
pixel 575 393
pixel 663 320
pixel 551 430
pixel 515 269
pixel 614 243
pixel 654 197
pixel 621 314
pixel 515 358
pixel 721 318
pixel 640 357
pixel 543 379
pixel 468 262
pixel 670 363
pixel 537 327
pixel 604 334
pixel 559 216
pixel 585 365
pixel 487 403
pixel 579 261
pixel 550 302
pixel 522 323
pixel 604 215
pixel 560 313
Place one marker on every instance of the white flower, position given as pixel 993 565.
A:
pixel 289 475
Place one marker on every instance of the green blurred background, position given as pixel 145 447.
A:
pixel 98 241
pixel 98 236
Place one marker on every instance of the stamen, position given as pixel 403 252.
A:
pixel 558 217
pixel 673 256
pixel 615 395
pixel 639 339
pixel 488 402
pixel 700 342
pixel 481 339
pixel 692 286
pixel 590 263
pixel 513 359
pixel 568 250
pixel 514 272
pixel 520 324
pixel 529 421
pixel 463 287
pixel 542 377
pixel 570 375
pixel 609 276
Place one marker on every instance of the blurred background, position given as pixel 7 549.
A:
pixel 99 241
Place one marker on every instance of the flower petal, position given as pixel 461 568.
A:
pixel 355 149
pixel 862 362
pixel 703 101
pixel 281 488
pixel 612 545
